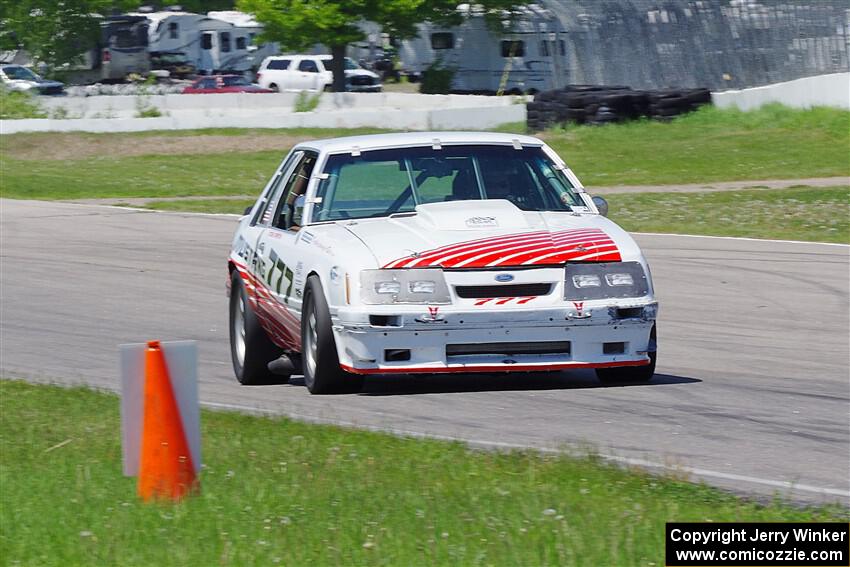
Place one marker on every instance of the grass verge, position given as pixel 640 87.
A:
pixel 281 492
pixel 774 142
pixel 705 146
pixel 229 206
pixel 798 213
pixel 14 104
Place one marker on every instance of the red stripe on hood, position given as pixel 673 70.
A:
pixel 528 249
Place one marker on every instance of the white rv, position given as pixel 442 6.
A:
pixel 530 57
pixel 248 28
pixel 210 44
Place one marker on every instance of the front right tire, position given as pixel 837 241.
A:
pixel 322 373
pixel 251 350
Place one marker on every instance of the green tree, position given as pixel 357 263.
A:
pixel 52 32
pixel 300 24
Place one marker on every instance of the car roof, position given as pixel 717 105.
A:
pixel 404 139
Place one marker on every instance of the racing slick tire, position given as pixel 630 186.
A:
pixel 251 350
pixel 631 374
pixel 322 373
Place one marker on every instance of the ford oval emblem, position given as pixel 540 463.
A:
pixel 504 278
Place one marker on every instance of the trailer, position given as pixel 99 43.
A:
pixel 528 57
pixel 245 26
pixel 123 48
pixel 209 44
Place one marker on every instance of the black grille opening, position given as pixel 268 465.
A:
pixel 396 354
pixel 629 312
pixel 385 320
pixel 548 347
pixel 510 290
pixel 613 348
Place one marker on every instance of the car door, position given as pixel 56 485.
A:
pixel 210 85
pixel 279 264
pixel 326 76
pixel 308 75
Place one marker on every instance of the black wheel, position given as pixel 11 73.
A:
pixel 632 374
pixel 274 87
pixel 322 373
pixel 251 350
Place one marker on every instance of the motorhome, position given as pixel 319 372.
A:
pixel 529 57
pixel 246 26
pixel 123 47
pixel 210 44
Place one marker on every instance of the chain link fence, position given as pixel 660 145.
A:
pixel 717 44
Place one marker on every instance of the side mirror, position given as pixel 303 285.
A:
pixel 248 210
pixel 601 205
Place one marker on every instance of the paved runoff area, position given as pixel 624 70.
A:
pixel 752 391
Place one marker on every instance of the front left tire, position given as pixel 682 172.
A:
pixel 632 374
pixel 251 350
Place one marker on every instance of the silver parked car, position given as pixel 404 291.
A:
pixel 20 78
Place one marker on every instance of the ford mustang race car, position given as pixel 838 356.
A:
pixel 433 253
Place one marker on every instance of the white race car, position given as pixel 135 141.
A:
pixel 433 253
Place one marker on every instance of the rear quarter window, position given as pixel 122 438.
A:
pixel 278 64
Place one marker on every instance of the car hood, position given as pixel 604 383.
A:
pixel 491 234
pixel 39 83
pixel 360 73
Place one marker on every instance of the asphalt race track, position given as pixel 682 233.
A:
pixel 752 394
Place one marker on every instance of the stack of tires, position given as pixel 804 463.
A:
pixel 592 104
pixel 672 102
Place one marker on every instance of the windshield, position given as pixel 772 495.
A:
pixel 350 64
pixel 20 74
pixel 382 182
pixel 235 81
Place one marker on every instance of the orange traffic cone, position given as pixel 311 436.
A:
pixel 166 470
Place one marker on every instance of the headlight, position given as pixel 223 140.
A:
pixel 619 279
pixel 586 280
pixel 381 287
pixel 605 280
pixel 422 286
pixel 389 287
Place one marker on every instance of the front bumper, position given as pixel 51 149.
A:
pixel 478 341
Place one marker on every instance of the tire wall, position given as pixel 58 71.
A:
pixel 591 104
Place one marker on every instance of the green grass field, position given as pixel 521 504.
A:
pixel 773 142
pixel 798 213
pixel 705 146
pixel 276 491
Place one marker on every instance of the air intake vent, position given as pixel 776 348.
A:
pixel 512 290
pixel 549 347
